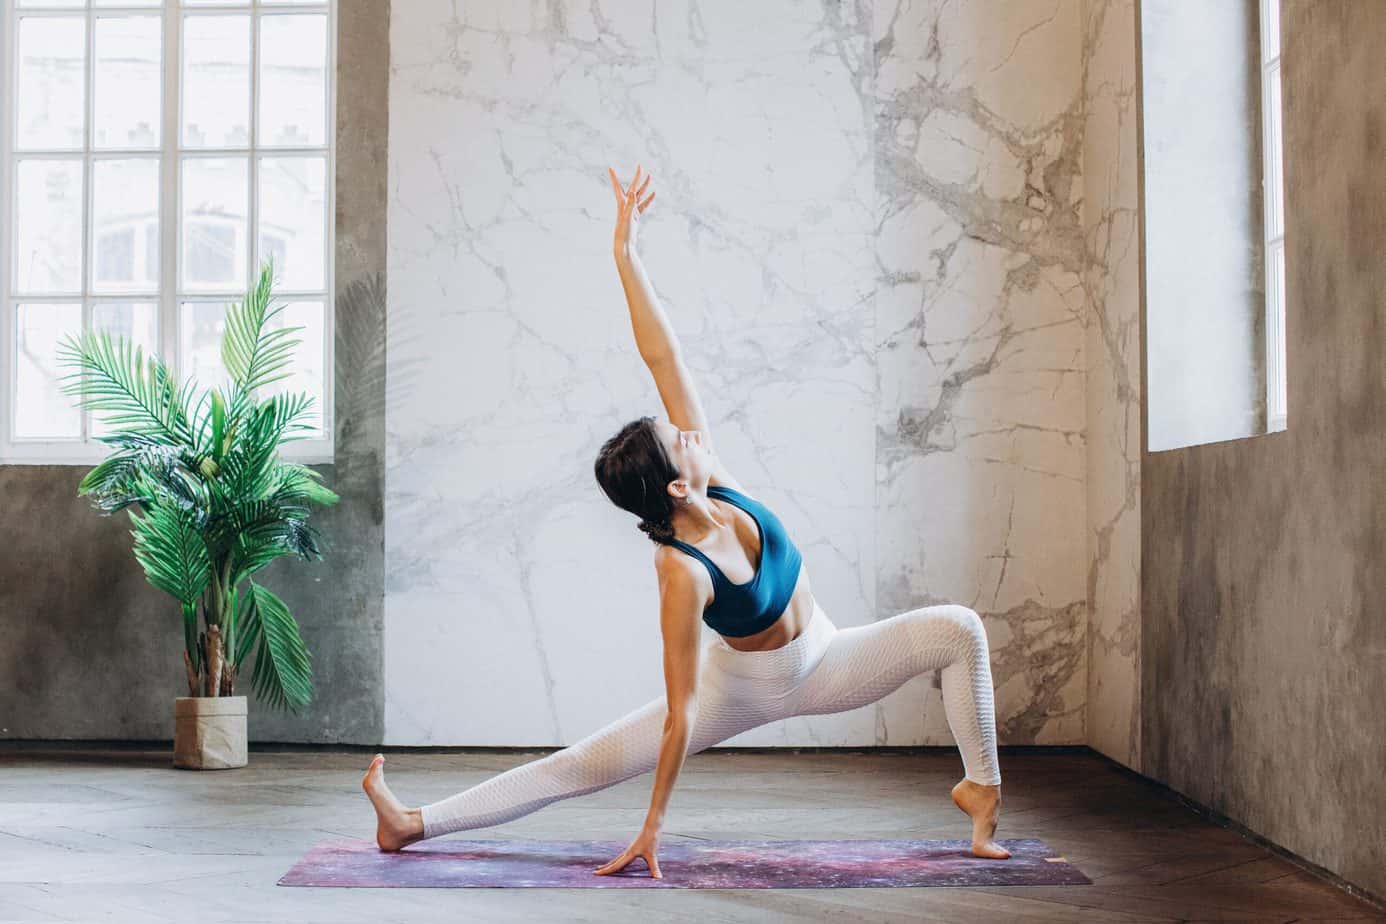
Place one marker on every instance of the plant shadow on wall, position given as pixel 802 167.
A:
pixel 209 499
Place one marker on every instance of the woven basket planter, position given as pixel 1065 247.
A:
pixel 209 732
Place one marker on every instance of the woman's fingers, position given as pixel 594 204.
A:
pixel 615 865
pixel 624 860
pixel 629 196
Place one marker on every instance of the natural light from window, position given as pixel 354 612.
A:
pixel 1274 196
pixel 154 154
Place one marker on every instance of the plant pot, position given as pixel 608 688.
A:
pixel 209 732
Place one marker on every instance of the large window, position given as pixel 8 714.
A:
pixel 154 153
pixel 1273 192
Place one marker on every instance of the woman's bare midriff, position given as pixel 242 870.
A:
pixel 788 627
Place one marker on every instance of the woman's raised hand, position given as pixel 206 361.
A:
pixel 630 203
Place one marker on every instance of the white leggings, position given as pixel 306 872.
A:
pixel 825 669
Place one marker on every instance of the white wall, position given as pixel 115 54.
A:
pixel 869 237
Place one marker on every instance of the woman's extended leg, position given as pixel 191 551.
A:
pixel 625 748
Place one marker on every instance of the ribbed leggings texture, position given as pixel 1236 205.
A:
pixel 825 669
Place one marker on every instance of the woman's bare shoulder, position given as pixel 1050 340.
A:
pixel 681 574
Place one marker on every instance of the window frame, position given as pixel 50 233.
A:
pixel 171 155
pixel 1273 201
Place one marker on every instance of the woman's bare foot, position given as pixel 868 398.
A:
pixel 395 824
pixel 983 806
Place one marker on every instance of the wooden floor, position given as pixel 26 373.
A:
pixel 119 835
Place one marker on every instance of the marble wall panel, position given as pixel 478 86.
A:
pixel 868 235
pixel 1112 279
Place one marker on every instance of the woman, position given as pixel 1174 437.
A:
pixel 721 557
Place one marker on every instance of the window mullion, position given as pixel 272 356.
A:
pixel 8 371
pixel 252 243
pixel 88 164
pixel 171 100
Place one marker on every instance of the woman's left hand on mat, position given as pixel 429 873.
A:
pixel 645 845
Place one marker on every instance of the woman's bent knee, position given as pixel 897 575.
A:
pixel 951 624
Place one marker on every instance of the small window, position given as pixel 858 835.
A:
pixel 1273 184
pixel 1213 271
pixel 152 154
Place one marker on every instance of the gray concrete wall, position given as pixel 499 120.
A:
pixel 88 649
pixel 1201 104
pixel 1264 636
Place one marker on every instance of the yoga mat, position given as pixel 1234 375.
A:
pixel 444 863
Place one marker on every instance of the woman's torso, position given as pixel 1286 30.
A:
pixel 736 556
pixel 786 629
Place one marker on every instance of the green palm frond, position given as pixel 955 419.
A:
pixel 255 552
pixel 283 672
pixel 116 475
pixel 302 481
pixel 136 393
pixel 170 549
pixel 254 354
pixel 248 470
pixel 212 433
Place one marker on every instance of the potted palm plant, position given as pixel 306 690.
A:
pixel 210 503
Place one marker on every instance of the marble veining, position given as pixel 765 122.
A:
pixel 1111 225
pixel 870 234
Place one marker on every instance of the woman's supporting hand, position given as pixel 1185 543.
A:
pixel 645 845
pixel 630 203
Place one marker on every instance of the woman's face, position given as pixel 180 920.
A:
pixel 686 451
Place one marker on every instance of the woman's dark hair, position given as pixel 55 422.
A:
pixel 634 471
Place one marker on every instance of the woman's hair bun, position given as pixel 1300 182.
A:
pixel 659 531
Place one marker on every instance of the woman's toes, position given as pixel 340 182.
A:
pixel 991 850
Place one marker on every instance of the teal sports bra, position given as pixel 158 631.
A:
pixel 738 610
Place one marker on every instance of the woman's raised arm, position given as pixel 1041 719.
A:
pixel 654 335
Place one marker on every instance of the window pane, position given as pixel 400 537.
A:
pixel 1277 143
pixel 125 207
pixel 215 237
pixel 41 410
pixel 293 205
pixel 200 326
pixel 128 2
pixel 293 80
pixel 1276 307
pixel 48 226
pixel 1270 29
pixel 50 4
pixel 126 82
pixel 50 97
pixel 135 321
pixel 307 364
pixel 216 81
pixel 200 332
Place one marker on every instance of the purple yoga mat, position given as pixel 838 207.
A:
pixel 445 863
